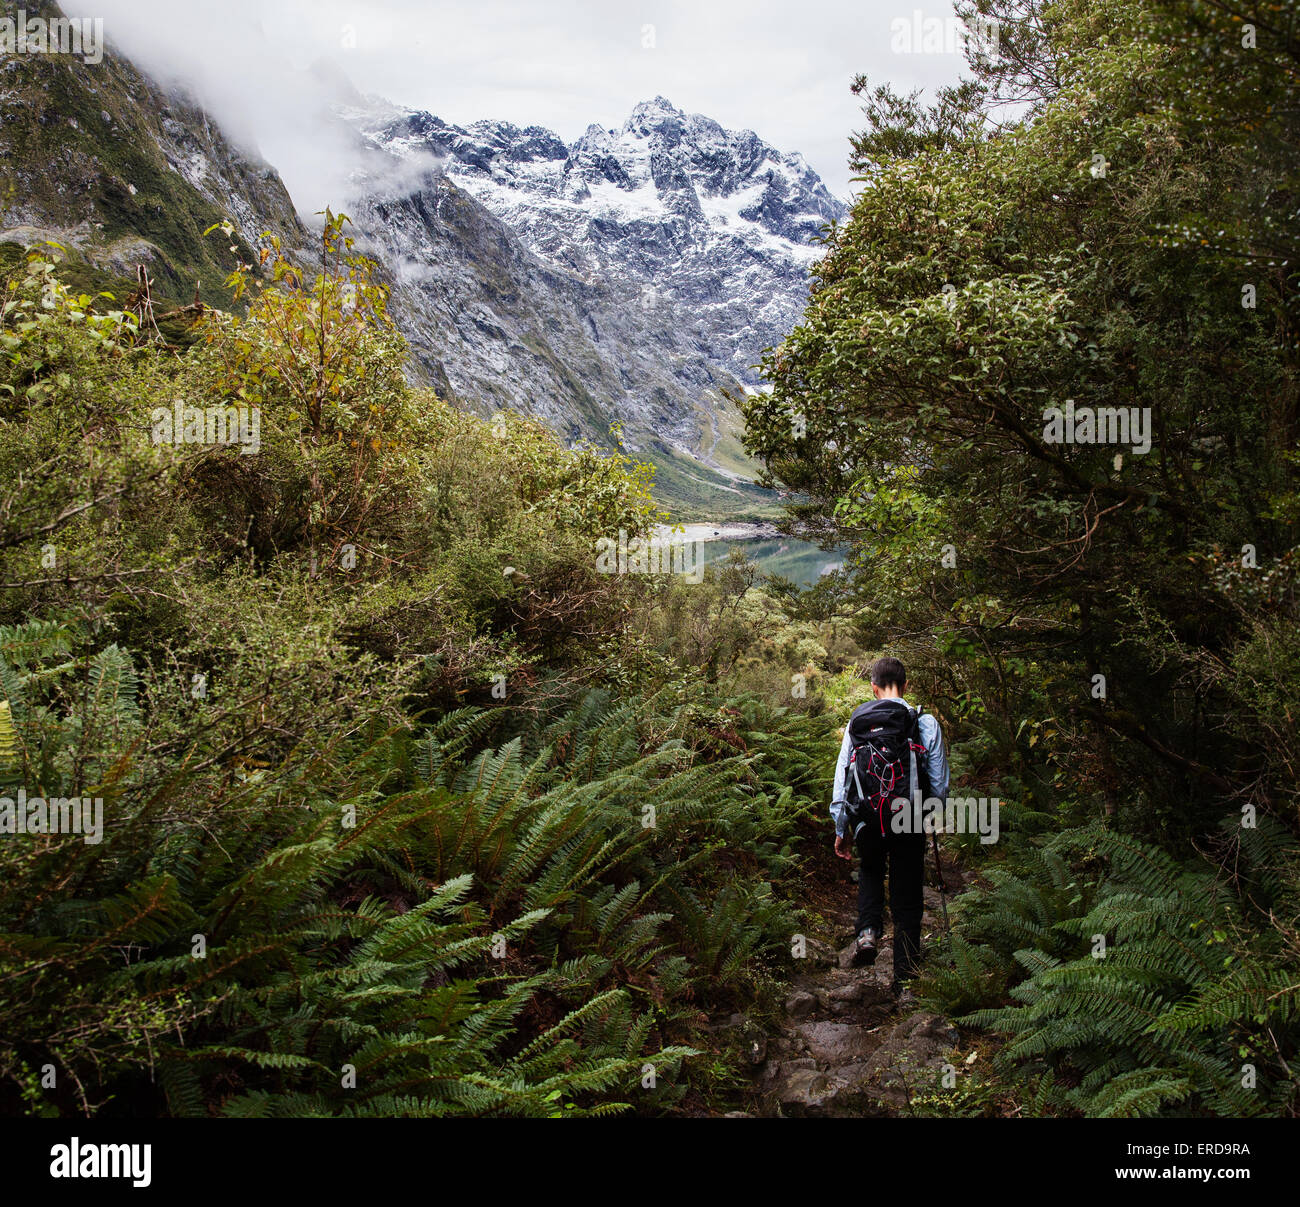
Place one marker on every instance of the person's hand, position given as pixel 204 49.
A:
pixel 843 846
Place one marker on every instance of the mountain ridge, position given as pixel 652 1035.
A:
pixel 619 288
pixel 671 206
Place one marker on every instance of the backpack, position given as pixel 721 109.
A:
pixel 884 743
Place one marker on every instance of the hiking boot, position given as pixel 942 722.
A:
pixel 864 950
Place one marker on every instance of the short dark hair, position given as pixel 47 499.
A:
pixel 888 672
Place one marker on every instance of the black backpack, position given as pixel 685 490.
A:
pixel 883 738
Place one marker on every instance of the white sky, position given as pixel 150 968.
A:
pixel 779 67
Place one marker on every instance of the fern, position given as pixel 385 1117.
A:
pixel 495 932
pixel 1150 1024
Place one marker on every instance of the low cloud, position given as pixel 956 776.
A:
pixel 780 70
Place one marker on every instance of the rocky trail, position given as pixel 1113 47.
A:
pixel 843 1046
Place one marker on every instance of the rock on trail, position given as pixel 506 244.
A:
pixel 844 1048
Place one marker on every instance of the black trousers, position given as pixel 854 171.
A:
pixel 905 856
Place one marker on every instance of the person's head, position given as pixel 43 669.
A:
pixel 888 678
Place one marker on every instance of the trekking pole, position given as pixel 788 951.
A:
pixel 943 888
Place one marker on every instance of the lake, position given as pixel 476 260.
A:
pixel 800 561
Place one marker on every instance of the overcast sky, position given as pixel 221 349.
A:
pixel 779 67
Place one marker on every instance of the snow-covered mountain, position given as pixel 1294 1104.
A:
pixel 630 279
pixel 712 227
pixel 492 325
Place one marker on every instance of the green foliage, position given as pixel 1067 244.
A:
pixel 1136 981
pixel 471 932
pixel 409 810
pixel 992 272
pixel 1107 630
pixel 337 875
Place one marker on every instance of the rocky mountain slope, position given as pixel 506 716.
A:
pixel 620 288
pixel 711 229
pixel 493 325
pixel 98 157
pixel 631 278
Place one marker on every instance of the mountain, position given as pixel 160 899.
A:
pixel 715 224
pixel 493 325
pixel 620 288
pixel 121 172
pixel 633 277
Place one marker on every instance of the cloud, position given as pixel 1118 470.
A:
pixel 777 67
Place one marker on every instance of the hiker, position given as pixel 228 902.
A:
pixel 890 750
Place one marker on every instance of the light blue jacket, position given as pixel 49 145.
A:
pixel 936 767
